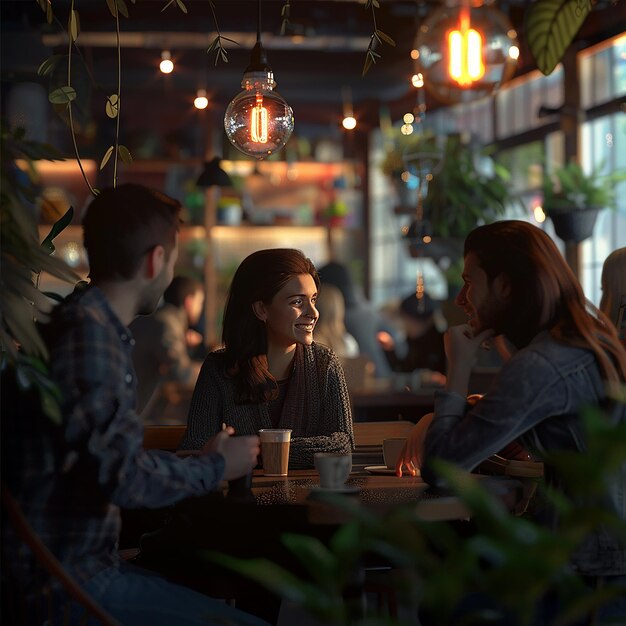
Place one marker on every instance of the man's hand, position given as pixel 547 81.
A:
pixel 461 347
pixel 240 453
pixel 410 457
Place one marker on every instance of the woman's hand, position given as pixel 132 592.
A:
pixel 411 454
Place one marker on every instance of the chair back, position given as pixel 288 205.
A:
pixel 373 433
pixel 358 370
pixel 21 607
pixel 163 437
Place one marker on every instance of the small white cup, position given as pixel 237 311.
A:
pixel 333 468
pixel 391 450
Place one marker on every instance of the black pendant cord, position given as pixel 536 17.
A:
pixel 258 58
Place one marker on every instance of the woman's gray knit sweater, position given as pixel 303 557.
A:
pixel 316 408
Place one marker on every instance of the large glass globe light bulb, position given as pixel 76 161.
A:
pixel 466 51
pixel 258 120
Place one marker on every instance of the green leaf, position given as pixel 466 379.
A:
pixel 112 107
pixel 366 65
pixel 125 155
pixel 167 5
pixel 112 7
pixel 386 38
pixel 271 576
pixel 62 95
pixel 48 65
pixel 550 27
pixel 60 225
pixel 46 7
pixel 314 556
pixel 106 157
pixel 74 24
pixel 50 406
pixel 53 296
pixel 123 9
pixel 181 6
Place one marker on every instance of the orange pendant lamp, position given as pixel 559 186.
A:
pixel 465 51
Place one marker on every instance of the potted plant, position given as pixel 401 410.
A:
pixel 466 188
pixel 23 354
pixel 573 199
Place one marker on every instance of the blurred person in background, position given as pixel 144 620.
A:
pixel 613 283
pixel 362 320
pixel 330 328
pixel 423 325
pixel 163 341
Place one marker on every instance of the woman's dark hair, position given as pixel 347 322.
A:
pixel 123 223
pixel 545 294
pixel 260 276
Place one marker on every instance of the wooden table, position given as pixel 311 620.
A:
pixel 251 524
pixel 378 493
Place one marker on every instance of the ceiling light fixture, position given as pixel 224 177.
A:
pixel 201 101
pixel 213 175
pixel 258 120
pixel 166 65
pixel 466 51
pixel 349 121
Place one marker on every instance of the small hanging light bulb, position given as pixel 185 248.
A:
pixel 201 101
pixel 258 121
pixel 166 65
pixel 349 121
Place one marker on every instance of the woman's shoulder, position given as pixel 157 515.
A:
pixel 215 360
pixel 319 350
pixel 321 356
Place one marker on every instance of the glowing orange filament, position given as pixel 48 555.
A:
pixel 465 52
pixel 258 122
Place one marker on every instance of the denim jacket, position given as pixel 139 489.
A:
pixel 535 399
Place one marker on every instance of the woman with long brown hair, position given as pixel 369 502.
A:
pixel 270 373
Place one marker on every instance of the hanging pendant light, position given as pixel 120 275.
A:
pixel 258 120
pixel 465 51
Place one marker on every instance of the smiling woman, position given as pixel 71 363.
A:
pixel 270 373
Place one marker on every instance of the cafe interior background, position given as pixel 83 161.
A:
pixel 359 196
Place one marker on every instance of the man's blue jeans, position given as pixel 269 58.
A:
pixel 138 597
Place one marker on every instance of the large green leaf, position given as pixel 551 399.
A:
pixel 550 27
pixel 63 222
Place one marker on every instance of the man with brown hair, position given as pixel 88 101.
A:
pixel 72 478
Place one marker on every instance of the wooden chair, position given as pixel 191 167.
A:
pixel 373 433
pixel 358 371
pixel 19 609
pixel 163 437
